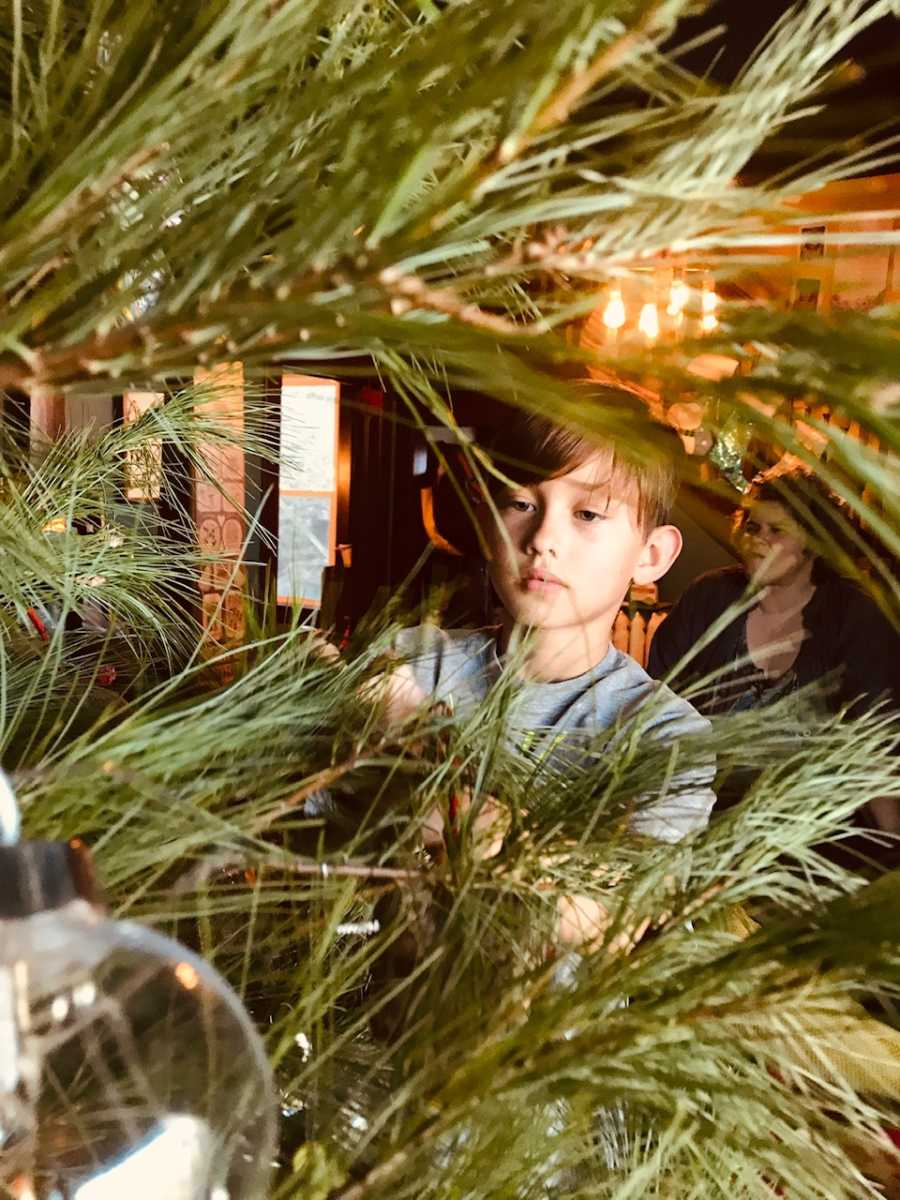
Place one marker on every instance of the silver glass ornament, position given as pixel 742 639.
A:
pixel 128 1069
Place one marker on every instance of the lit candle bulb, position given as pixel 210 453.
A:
pixel 709 304
pixel 614 313
pixel 679 294
pixel 648 322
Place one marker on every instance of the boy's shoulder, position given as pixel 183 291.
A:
pixel 652 710
pixel 448 662
pixel 623 690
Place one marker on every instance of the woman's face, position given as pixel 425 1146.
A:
pixel 771 543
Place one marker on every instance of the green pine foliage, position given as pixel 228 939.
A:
pixel 434 191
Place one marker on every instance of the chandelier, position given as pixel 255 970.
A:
pixel 666 305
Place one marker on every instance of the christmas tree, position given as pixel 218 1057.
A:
pixel 438 192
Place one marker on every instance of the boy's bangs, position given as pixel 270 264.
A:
pixel 537 450
pixel 637 454
pixel 616 475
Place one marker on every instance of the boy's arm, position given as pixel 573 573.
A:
pixel 684 807
pixel 683 810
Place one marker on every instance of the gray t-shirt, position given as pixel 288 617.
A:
pixel 459 667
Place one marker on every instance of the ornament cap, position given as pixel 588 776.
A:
pixel 37 877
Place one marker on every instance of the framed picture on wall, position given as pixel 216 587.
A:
pixel 143 469
pixel 814 273
pixel 307 487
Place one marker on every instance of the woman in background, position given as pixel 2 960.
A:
pixel 807 623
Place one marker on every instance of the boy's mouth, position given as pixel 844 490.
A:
pixel 535 580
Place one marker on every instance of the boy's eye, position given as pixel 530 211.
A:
pixel 751 527
pixel 517 504
pixel 589 516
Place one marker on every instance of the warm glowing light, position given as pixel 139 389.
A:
pixel 710 300
pixel 679 294
pixel 709 303
pixel 84 994
pixel 59 1009
pixel 614 313
pixel 648 322
pixel 187 976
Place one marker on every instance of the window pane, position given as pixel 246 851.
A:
pixel 308 432
pixel 304 546
pixel 307 486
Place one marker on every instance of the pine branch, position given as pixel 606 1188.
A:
pixel 240 175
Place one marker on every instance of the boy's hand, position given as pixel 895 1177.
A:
pixel 582 923
pixel 319 647
pixel 398 694
pixel 488 830
pixel 490 826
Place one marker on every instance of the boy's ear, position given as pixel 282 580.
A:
pixel 662 547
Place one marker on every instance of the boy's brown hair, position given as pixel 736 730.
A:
pixel 617 427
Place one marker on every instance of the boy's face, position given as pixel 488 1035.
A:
pixel 571 550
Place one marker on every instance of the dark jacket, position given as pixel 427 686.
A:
pixel 851 645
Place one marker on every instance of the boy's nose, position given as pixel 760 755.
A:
pixel 541 537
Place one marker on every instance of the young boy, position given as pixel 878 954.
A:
pixel 580 523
